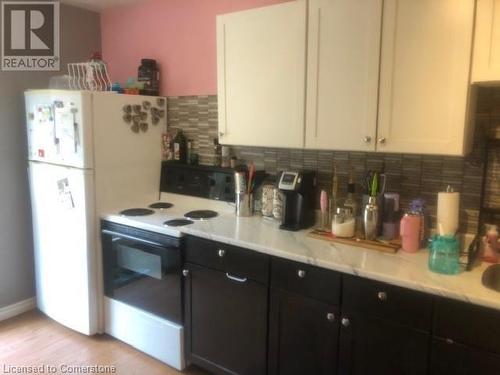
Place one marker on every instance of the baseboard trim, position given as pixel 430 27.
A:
pixel 17 308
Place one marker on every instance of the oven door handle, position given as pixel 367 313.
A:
pixel 129 237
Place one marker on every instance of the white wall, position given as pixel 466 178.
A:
pixel 80 36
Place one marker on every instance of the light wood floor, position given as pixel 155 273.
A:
pixel 32 339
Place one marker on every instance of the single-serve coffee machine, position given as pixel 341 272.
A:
pixel 298 189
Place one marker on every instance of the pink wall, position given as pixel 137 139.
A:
pixel 179 34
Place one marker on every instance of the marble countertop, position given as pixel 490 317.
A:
pixel 263 235
pixel 402 269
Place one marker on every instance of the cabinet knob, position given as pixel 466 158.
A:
pixel 367 139
pixel 330 317
pixel 185 273
pixel 221 253
pixel 346 322
pixel 301 273
pixel 382 296
pixel 381 140
pixel 221 134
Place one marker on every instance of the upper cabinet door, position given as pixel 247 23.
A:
pixel 424 76
pixel 486 58
pixel 342 74
pixel 261 76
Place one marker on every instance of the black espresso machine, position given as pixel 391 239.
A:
pixel 298 188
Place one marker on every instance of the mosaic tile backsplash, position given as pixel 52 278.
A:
pixel 410 175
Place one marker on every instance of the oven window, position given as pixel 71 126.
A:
pixel 138 263
pixel 143 275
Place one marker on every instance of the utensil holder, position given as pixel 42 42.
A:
pixel 244 204
pixel 380 205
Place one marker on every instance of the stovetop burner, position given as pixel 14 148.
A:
pixel 137 212
pixel 177 222
pixel 200 214
pixel 161 205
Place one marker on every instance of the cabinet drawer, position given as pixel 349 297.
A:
pixel 468 324
pixel 317 283
pixel 457 359
pixel 386 301
pixel 236 261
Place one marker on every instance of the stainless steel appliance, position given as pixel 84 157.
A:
pixel 298 189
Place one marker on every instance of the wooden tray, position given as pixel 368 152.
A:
pixel 387 247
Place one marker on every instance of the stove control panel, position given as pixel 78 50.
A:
pixel 198 181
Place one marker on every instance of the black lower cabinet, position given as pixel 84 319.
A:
pixel 303 335
pixel 369 346
pixel 449 357
pixel 226 322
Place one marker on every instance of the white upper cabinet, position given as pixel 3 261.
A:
pixel 343 74
pixel 424 76
pixel 486 58
pixel 261 68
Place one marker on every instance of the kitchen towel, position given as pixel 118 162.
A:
pixel 447 212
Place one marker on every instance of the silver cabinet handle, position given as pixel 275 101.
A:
pixel 330 317
pixel 346 322
pixel 221 253
pixel 301 273
pixel 382 296
pixel 381 140
pixel 237 279
pixel 367 139
pixel 185 273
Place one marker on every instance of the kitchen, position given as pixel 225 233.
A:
pixel 346 115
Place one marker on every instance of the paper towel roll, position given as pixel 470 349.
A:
pixel 447 212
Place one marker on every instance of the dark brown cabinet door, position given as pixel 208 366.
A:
pixel 448 357
pixel 303 335
pixel 226 322
pixel 370 345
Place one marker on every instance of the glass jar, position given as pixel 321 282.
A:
pixel 267 200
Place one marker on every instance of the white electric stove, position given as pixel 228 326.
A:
pixel 169 213
pixel 142 245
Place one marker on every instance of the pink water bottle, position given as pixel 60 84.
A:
pixel 410 232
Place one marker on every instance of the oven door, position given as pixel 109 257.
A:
pixel 143 273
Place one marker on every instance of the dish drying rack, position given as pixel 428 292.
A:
pixel 485 211
pixel 92 76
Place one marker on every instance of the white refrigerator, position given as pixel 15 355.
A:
pixel 88 152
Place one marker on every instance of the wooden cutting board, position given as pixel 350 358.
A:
pixel 387 247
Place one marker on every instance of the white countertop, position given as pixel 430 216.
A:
pixel 402 269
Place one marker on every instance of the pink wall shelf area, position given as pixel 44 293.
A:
pixel 179 34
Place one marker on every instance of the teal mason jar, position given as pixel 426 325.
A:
pixel 444 255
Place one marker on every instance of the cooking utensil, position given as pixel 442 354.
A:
pixel 324 208
pixel 367 182
pixel 251 173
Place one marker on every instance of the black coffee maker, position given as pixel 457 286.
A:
pixel 298 189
